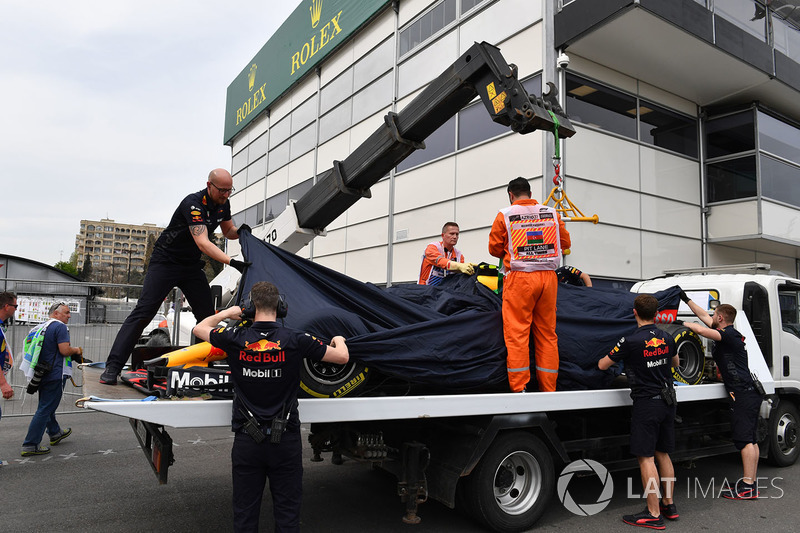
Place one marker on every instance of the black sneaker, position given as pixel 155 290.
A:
pixel 55 439
pixel 669 511
pixel 743 491
pixel 109 376
pixel 644 519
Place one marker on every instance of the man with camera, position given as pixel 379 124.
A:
pixel 265 361
pixel 50 373
pixel 648 354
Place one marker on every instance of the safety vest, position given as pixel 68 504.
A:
pixel 534 241
pixel 436 274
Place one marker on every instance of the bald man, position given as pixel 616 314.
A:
pixel 176 262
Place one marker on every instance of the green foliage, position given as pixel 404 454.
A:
pixel 66 266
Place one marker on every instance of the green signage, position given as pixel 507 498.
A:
pixel 314 30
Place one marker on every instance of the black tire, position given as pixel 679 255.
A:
pixel 784 448
pixel 158 337
pixel 691 353
pixel 512 484
pixel 329 380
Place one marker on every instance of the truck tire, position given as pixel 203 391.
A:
pixel 690 352
pixel 329 380
pixel 783 444
pixel 512 484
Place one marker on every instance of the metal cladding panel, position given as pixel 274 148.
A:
pixel 742 45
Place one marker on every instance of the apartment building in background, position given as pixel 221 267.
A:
pixel 116 247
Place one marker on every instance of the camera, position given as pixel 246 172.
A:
pixel 562 61
pixel 39 372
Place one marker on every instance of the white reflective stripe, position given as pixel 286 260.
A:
pixel 547 370
pixel 524 369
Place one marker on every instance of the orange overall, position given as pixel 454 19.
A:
pixel 530 256
pixel 435 263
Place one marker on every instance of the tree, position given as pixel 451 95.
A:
pixel 86 273
pixel 65 266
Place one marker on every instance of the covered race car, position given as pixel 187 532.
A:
pixel 435 340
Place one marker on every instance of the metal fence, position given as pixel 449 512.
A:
pixel 97 312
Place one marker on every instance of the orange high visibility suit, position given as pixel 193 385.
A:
pixel 435 263
pixel 529 238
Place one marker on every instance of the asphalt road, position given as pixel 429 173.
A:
pixel 98 480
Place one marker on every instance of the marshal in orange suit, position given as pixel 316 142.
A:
pixel 529 238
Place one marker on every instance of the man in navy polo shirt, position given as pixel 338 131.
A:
pixel 265 362
pixel 649 353
pixel 730 355
pixel 176 262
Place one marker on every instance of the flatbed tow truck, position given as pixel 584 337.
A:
pixel 494 455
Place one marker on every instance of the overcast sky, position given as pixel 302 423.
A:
pixel 114 109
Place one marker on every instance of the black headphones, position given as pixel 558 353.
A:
pixel 281 310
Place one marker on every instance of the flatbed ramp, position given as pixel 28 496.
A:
pixel 183 413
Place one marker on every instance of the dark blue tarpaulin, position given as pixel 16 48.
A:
pixel 449 336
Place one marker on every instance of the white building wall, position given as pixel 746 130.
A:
pixel 648 199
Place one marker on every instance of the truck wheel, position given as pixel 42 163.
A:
pixel 783 445
pixel 329 380
pixel 512 484
pixel 690 352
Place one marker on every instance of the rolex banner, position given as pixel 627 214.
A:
pixel 312 31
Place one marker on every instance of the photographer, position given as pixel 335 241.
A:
pixel 265 362
pixel 648 354
pixel 55 348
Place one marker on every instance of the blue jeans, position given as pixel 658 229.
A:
pixel 45 416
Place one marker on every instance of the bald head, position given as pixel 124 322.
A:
pixel 220 185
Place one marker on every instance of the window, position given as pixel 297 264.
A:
pixel 731 134
pixel 596 105
pixel 790 310
pixel 440 142
pixel 732 179
pixel 780 181
pixel 667 129
pixel 427 25
pixel 276 205
pixel 278 157
pixel 778 138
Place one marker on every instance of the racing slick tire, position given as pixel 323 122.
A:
pixel 329 380
pixel 690 352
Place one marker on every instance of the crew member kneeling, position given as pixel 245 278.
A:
pixel 265 362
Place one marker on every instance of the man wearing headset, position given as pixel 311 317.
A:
pixel 265 361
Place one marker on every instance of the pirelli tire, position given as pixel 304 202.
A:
pixel 328 380
pixel 691 353
pixel 512 485
pixel 784 448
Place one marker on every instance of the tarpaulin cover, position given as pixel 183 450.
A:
pixel 449 336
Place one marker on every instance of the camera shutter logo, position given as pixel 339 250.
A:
pixel 585 465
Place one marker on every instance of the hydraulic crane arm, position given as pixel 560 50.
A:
pixel 481 70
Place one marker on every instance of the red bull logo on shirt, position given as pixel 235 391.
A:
pixel 263 351
pixel 655 342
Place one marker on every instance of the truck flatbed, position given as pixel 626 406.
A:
pixel 216 413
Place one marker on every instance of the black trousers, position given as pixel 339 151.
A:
pixel 161 278
pixel 252 465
